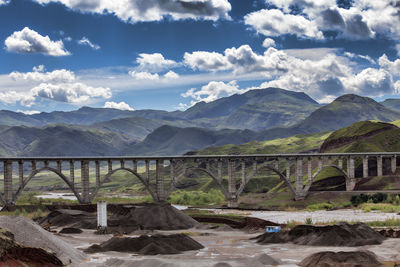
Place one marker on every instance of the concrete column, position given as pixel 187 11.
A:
pixel 340 162
pixel 46 163
pixel 219 170
pixel 320 164
pixel 33 165
pixel 110 168
pixel 365 166
pixel 147 171
pixel 299 179
pixel 8 186
pixel 243 172
pixel 85 180
pixel 160 180
pixel 97 163
pixel 350 181
pixel 309 169
pixel 350 167
pixel 72 172
pixel 172 169
pixel 379 166
pixel 21 172
pixel 232 201
pixel 122 162
pixel 276 164
pixel 134 164
pixel 288 169
pixel 59 166
pixel 393 164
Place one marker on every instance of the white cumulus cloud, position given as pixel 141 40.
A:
pixel 154 62
pixel 30 42
pixel 212 91
pixel 171 75
pixel 268 42
pixel 38 75
pixel 75 93
pixel 144 75
pixel 273 22
pixel 152 10
pixel 121 105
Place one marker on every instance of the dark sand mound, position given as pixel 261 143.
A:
pixel 70 218
pixel 342 234
pixel 363 258
pixel 124 219
pixel 148 245
pixel 70 230
pixel 14 254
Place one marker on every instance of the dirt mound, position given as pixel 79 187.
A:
pixel 390 233
pixel 124 219
pixel 224 228
pixel 148 245
pixel 71 218
pixel 341 234
pixel 70 230
pixel 30 234
pixel 14 254
pixel 363 258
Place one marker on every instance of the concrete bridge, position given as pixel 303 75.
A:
pixel 297 171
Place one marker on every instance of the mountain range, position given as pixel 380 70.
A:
pixel 262 114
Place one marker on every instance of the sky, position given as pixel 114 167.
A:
pixel 171 54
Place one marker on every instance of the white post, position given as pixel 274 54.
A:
pixel 102 216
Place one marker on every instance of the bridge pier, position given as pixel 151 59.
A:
pixel 160 181
pixel 350 181
pixel 299 179
pixel 379 166
pixel 232 200
pixel 365 167
pixel 393 164
pixel 85 181
pixel 8 184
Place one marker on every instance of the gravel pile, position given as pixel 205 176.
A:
pixel 335 259
pixel 342 234
pixel 148 245
pixel 124 219
pixel 28 233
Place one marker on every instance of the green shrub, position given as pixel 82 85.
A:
pixel 309 221
pixel 214 196
pixel 320 206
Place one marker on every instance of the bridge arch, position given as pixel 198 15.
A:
pixel 110 173
pixel 315 175
pixel 37 171
pixel 206 171
pixel 266 165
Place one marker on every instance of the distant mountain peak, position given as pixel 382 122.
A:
pixel 353 98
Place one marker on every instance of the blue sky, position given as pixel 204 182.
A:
pixel 170 54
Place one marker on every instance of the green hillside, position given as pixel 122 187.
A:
pixel 294 144
pixel 344 111
pixel 365 136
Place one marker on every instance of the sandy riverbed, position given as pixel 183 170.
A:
pixel 233 247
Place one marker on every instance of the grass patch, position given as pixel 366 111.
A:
pixel 214 196
pixel 384 207
pixel 320 206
